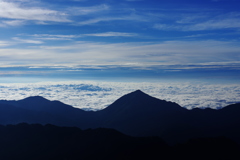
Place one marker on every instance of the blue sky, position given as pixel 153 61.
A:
pixel 120 40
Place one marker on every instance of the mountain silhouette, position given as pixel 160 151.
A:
pixel 139 114
pixel 49 142
pixel 45 111
pixel 134 114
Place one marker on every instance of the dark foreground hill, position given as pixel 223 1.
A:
pixel 135 114
pixel 37 142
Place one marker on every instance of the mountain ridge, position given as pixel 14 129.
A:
pixel 134 114
pixel 49 142
pixel 136 93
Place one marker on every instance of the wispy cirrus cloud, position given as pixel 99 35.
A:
pixel 92 15
pixel 71 37
pixel 231 23
pixel 5 43
pixel 16 12
pixel 55 37
pixel 19 40
pixel 120 54
pixel 202 23
pixel 11 23
pixel 112 34
pixel 88 10
pixel 121 17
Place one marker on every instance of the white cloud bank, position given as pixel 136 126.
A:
pixel 98 95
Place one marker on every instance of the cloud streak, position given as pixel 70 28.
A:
pixel 17 13
pixel 119 17
pixel 5 43
pixel 55 37
pixel 203 22
pixel 144 53
pixel 19 40
pixel 12 23
pixel 76 11
pixel 112 34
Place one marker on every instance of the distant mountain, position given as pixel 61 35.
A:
pixel 45 111
pixel 135 114
pixel 139 114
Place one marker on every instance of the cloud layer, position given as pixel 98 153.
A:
pixel 144 53
pixel 98 95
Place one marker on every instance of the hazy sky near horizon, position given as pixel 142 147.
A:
pixel 125 40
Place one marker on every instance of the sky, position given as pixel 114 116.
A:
pixel 125 39
pixel 178 41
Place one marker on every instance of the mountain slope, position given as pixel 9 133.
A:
pixel 10 114
pixel 135 114
pixel 139 114
pixel 46 110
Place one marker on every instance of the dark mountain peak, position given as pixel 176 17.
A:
pixel 139 97
pixel 35 98
pixel 138 92
pixel 138 102
pixel 136 95
pixel 129 100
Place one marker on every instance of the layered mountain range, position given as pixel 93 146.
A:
pixel 134 114
pixel 48 142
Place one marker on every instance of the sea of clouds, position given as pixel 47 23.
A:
pixel 90 95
